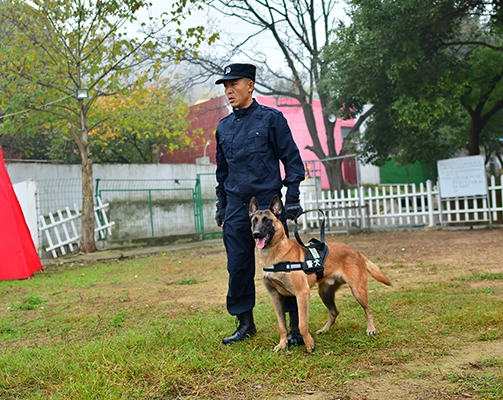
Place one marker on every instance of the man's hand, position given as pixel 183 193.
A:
pixel 220 214
pixel 293 208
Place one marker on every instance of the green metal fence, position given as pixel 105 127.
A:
pixel 142 209
pixel 158 208
pixel 149 208
pixel 204 200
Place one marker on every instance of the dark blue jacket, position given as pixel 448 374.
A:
pixel 250 144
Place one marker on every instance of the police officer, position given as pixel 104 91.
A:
pixel 251 142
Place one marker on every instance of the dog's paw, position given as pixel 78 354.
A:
pixel 371 332
pixel 279 347
pixel 321 331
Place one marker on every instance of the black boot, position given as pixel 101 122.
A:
pixel 294 337
pixel 246 328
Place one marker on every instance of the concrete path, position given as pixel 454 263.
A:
pixel 127 252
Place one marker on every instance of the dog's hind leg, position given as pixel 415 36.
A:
pixel 360 294
pixel 327 295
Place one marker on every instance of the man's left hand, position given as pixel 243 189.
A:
pixel 293 208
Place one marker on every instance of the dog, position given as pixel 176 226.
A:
pixel 343 264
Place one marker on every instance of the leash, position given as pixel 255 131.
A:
pixel 322 227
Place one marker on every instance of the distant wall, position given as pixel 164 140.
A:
pixel 411 174
pixel 25 193
pixel 20 172
pixel 369 175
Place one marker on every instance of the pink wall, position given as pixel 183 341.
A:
pixel 295 118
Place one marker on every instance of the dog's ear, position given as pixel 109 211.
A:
pixel 276 207
pixel 254 206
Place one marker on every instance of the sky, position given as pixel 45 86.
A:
pixel 228 28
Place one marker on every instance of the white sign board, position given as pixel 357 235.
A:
pixel 465 176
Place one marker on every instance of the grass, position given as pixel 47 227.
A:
pixel 150 328
pixel 481 276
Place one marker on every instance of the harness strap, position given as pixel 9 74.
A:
pixel 285 266
pixel 316 253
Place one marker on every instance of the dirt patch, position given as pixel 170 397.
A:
pixel 427 379
pixel 409 259
pixel 428 256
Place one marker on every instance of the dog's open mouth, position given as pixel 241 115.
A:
pixel 262 242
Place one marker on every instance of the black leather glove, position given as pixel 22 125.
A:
pixel 220 214
pixel 292 207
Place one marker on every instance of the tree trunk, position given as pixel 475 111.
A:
pixel 334 174
pixel 474 136
pixel 333 167
pixel 88 244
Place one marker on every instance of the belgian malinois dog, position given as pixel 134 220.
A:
pixel 343 264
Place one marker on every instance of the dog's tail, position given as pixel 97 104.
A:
pixel 376 272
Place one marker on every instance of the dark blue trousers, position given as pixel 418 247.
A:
pixel 240 248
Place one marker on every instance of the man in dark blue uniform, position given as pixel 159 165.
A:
pixel 251 142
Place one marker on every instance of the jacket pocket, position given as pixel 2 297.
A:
pixel 259 152
pixel 225 142
pixel 258 141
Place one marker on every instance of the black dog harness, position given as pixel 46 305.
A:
pixel 316 254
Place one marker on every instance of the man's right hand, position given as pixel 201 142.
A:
pixel 293 208
pixel 220 214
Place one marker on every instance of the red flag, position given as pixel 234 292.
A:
pixel 18 256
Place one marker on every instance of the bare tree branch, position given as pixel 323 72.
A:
pixel 474 43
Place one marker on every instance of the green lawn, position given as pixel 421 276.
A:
pixel 150 328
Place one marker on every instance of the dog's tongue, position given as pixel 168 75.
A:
pixel 261 243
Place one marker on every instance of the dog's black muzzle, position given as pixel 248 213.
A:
pixel 258 235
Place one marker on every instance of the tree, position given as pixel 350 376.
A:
pixel 483 92
pixel 300 29
pixel 147 119
pixel 53 47
pixel 491 139
pixel 431 70
pixel 135 125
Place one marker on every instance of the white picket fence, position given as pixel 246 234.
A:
pixel 401 206
pixel 61 230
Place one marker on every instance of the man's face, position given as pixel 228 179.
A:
pixel 239 92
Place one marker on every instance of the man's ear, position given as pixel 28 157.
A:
pixel 251 86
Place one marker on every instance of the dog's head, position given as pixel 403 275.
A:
pixel 265 223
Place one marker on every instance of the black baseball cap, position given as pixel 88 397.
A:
pixel 236 71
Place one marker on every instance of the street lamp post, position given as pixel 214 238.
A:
pixel 205 147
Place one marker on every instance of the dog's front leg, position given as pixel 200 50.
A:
pixel 303 306
pixel 278 302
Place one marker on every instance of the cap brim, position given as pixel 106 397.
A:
pixel 228 78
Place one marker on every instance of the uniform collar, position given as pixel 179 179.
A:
pixel 244 111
